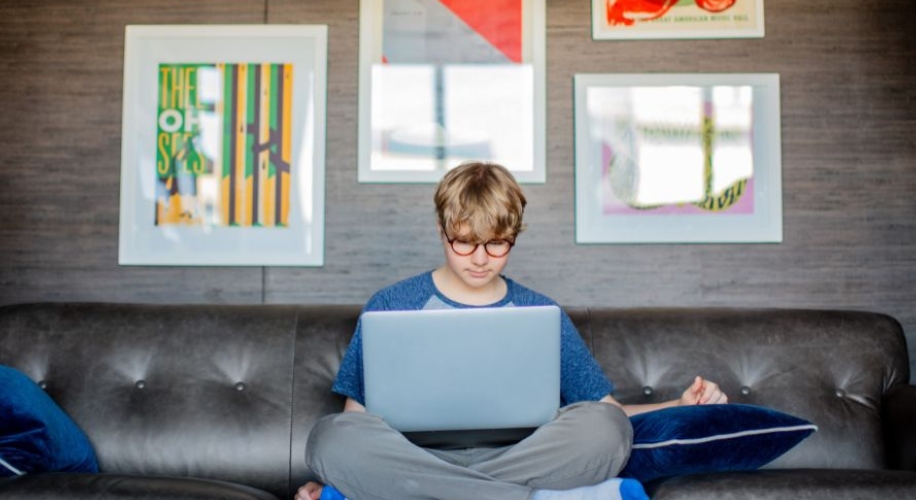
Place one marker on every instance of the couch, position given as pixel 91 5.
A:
pixel 216 401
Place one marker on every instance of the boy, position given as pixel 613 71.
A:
pixel 576 456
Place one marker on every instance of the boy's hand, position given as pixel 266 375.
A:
pixel 310 491
pixel 703 392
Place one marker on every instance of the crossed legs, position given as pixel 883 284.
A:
pixel 366 459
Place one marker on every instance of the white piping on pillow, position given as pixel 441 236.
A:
pixel 11 468
pixel 707 439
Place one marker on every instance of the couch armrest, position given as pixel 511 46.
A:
pixel 899 417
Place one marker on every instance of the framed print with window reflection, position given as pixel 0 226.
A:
pixel 222 157
pixel 678 158
pixel 446 81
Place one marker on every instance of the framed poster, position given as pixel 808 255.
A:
pixel 678 158
pixel 635 19
pixel 222 152
pixel 446 81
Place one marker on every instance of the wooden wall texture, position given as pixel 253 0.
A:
pixel 848 140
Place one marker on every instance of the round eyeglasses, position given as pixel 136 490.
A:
pixel 494 248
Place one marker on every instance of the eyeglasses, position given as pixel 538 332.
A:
pixel 494 248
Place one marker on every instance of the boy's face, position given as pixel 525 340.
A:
pixel 476 271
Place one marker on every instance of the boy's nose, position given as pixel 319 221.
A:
pixel 480 255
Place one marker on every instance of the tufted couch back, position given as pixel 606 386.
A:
pixel 829 367
pixel 188 390
pixel 231 392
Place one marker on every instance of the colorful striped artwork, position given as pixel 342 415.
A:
pixel 224 145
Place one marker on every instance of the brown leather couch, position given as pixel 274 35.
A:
pixel 216 401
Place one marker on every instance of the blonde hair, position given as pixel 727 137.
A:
pixel 484 199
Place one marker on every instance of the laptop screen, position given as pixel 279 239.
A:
pixel 480 369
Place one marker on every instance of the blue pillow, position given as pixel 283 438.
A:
pixel 35 434
pixel 710 438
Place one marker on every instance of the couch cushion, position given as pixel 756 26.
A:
pixel 115 486
pixel 807 484
pixel 35 434
pixel 709 438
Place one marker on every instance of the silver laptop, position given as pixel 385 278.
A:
pixel 463 377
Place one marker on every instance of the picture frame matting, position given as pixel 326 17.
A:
pixel 223 145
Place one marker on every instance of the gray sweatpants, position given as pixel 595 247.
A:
pixel 365 459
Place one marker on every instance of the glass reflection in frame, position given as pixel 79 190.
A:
pixel 449 82
pixel 674 150
pixel 432 117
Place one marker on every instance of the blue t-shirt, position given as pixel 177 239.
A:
pixel 581 379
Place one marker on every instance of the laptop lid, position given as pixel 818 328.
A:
pixel 486 369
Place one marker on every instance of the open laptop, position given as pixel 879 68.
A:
pixel 463 377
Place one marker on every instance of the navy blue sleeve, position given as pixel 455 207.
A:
pixel 349 380
pixel 411 293
pixel 581 377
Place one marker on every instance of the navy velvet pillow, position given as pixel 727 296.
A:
pixel 35 434
pixel 710 438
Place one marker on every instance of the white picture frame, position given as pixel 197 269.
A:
pixel 223 145
pixel 678 158
pixel 441 85
pixel 677 19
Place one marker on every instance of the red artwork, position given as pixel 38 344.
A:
pixel 499 21
pixel 715 5
pixel 627 12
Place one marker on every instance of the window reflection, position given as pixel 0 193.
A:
pixel 678 149
pixel 432 117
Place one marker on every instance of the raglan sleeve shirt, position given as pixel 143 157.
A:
pixel 581 378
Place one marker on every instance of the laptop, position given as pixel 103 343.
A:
pixel 454 378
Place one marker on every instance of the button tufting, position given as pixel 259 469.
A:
pixel 745 390
pixel 647 391
pixel 840 393
pixel 43 385
pixel 240 386
pixel 140 384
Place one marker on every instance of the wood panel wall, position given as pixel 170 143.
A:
pixel 848 141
